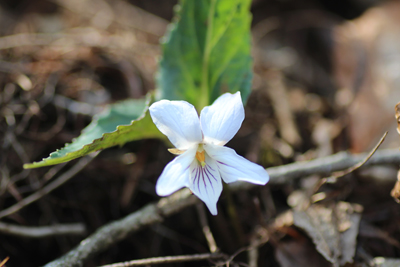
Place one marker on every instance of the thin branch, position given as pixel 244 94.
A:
pixel 326 165
pixel 228 261
pixel 113 232
pixel 43 231
pixel 50 187
pixel 116 231
pixel 256 242
pixel 167 259
pixel 333 178
pixel 4 261
pixel 212 245
pixel 252 252
pixel 339 174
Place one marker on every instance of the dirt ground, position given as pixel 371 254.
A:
pixel 327 79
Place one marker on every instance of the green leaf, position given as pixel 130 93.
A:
pixel 118 124
pixel 207 52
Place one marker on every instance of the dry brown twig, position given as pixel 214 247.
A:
pixel 260 236
pixel 116 231
pixel 255 244
pixel 167 259
pixel 339 174
pixel 186 258
pixel 333 178
pixel 212 245
pixel 42 231
pixel 4 261
pixel 232 257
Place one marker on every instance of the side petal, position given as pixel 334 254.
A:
pixel 205 183
pixel 234 167
pixel 179 121
pixel 221 121
pixel 176 174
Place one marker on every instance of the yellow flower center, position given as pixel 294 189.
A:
pixel 201 155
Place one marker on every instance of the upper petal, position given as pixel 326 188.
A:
pixel 205 183
pixel 176 174
pixel 234 167
pixel 221 121
pixel 179 121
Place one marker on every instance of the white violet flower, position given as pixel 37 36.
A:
pixel 203 160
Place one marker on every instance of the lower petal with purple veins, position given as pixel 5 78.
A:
pixel 206 183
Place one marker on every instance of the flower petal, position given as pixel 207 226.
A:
pixel 176 174
pixel 221 121
pixel 233 167
pixel 205 183
pixel 179 121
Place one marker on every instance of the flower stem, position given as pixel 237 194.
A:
pixel 204 90
pixel 233 216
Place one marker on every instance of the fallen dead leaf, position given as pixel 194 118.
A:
pixel 333 229
pixel 349 217
pixel 318 222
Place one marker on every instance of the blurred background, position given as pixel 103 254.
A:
pixel 327 78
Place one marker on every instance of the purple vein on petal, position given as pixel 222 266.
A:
pixel 220 162
pixel 208 171
pixel 209 180
pixel 204 180
pixel 211 168
pixel 198 177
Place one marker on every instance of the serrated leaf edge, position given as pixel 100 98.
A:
pixel 45 161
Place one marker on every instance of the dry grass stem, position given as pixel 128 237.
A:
pixel 42 231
